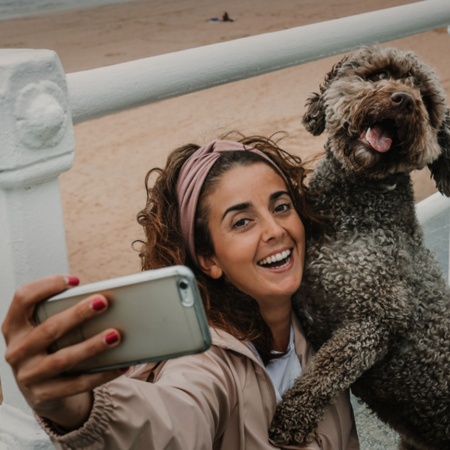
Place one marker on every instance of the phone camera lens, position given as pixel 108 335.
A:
pixel 187 299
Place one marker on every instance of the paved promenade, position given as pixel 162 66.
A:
pixel 373 434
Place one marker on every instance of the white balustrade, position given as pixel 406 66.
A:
pixel 102 91
pixel 37 145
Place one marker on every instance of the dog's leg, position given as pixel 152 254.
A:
pixel 403 445
pixel 340 361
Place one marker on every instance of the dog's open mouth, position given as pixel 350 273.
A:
pixel 379 136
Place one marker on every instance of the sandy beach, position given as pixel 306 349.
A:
pixel 104 190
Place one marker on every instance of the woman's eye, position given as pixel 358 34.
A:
pixel 241 223
pixel 282 207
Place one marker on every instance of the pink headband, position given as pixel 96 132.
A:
pixel 191 178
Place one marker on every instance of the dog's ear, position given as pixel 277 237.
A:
pixel 440 168
pixel 314 117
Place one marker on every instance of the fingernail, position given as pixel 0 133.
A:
pixel 72 281
pixel 98 304
pixel 111 338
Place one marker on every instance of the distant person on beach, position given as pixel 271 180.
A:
pixel 235 213
pixel 226 17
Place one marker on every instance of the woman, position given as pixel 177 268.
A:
pixel 236 214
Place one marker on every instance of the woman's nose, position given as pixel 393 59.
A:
pixel 271 229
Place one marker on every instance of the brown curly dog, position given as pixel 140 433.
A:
pixel 373 300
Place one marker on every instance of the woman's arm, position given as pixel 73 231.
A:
pixel 186 407
pixel 64 400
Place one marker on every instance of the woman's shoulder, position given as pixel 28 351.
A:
pixel 224 341
pixel 224 346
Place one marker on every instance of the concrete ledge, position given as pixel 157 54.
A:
pixel 19 430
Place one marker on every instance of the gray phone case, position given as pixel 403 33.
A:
pixel 158 312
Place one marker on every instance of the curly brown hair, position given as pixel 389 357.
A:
pixel 227 308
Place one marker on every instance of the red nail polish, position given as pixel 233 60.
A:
pixel 111 338
pixel 98 304
pixel 72 281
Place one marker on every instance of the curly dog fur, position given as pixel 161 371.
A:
pixel 373 300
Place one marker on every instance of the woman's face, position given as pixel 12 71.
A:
pixel 258 237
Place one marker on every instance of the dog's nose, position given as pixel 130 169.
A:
pixel 403 100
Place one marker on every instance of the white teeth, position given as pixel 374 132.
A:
pixel 274 258
pixel 367 134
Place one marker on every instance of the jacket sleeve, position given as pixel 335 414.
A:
pixel 337 428
pixel 134 413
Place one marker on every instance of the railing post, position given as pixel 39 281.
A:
pixel 37 144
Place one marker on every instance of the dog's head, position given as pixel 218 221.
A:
pixel 385 112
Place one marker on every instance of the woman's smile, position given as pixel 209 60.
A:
pixel 279 260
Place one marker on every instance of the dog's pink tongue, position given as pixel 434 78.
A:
pixel 379 138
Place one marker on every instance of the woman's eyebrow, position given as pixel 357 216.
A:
pixel 278 194
pixel 246 205
pixel 238 207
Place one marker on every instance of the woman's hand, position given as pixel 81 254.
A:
pixel 65 400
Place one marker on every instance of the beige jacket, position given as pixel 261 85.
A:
pixel 229 406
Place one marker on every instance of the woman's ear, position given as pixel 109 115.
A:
pixel 209 266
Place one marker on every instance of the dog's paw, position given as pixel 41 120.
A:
pixel 291 427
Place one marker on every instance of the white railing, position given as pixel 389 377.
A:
pixel 434 215
pixel 102 91
pixel 40 104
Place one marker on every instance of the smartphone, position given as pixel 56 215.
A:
pixel 159 314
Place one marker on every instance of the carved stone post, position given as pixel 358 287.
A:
pixel 36 145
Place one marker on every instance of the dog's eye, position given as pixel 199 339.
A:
pixel 377 76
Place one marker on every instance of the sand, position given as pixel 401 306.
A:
pixel 104 190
